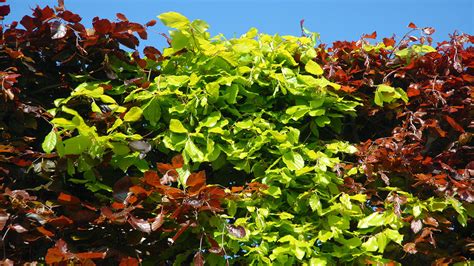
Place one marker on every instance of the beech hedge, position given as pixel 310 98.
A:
pixel 253 150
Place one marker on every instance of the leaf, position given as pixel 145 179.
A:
pixel 198 260
pixel 59 30
pixel 68 199
pixel 152 111
pixel 54 256
pixel 193 151
pixel 140 146
pixel 177 127
pixel 196 179
pixel 236 231
pixel 371 244
pixel 44 231
pixel 293 160
pixel 121 17
pixel 177 161
pixel 416 226
pixel 77 144
pixel 129 261
pixel 274 191
pixel 453 123
pixel 313 68
pixel 90 255
pixel 174 20
pixel 133 114
pixel 102 26
pixel 374 219
pixel 412 25
pixel 373 35
pixel 4 10
pixel 410 248
pixel 50 141
pixel 428 30
pixel 315 204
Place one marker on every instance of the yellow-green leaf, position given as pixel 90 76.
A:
pixel 174 20
pixel 133 114
pixel 50 141
pixel 177 127
pixel 313 68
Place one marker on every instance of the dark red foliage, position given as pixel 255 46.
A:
pixel 424 147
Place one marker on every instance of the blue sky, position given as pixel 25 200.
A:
pixel 334 20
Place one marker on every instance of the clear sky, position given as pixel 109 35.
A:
pixel 333 19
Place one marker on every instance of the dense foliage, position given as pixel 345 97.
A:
pixel 252 150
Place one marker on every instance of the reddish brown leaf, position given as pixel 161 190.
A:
pixel 173 193
pixel 70 17
pixel 454 124
pixel 54 255
pixel 60 222
pixel 412 25
pixel 348 89
pixel 28 22
pixel 122 17
pixel 58 253
pixel 117 205
pixel 164 167
pixel 4 10
pixel 412 92
pixel 138 190
pixel 90 255
pixel 68 199
pixel 389 42
pixel 151 23
pixel 236 189
pixel 431 221
pixel 198 259
pixel 151 178
pixel 129 261
pixel 373 35
pixel 177 161
pixel 410 248
pixel 102 26
pixel 196 180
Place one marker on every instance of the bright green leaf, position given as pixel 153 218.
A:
pixel 133 114
pixel 313 68
pixel 50 141
pixel 177 127
pixel 293 160
pixel 174 20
